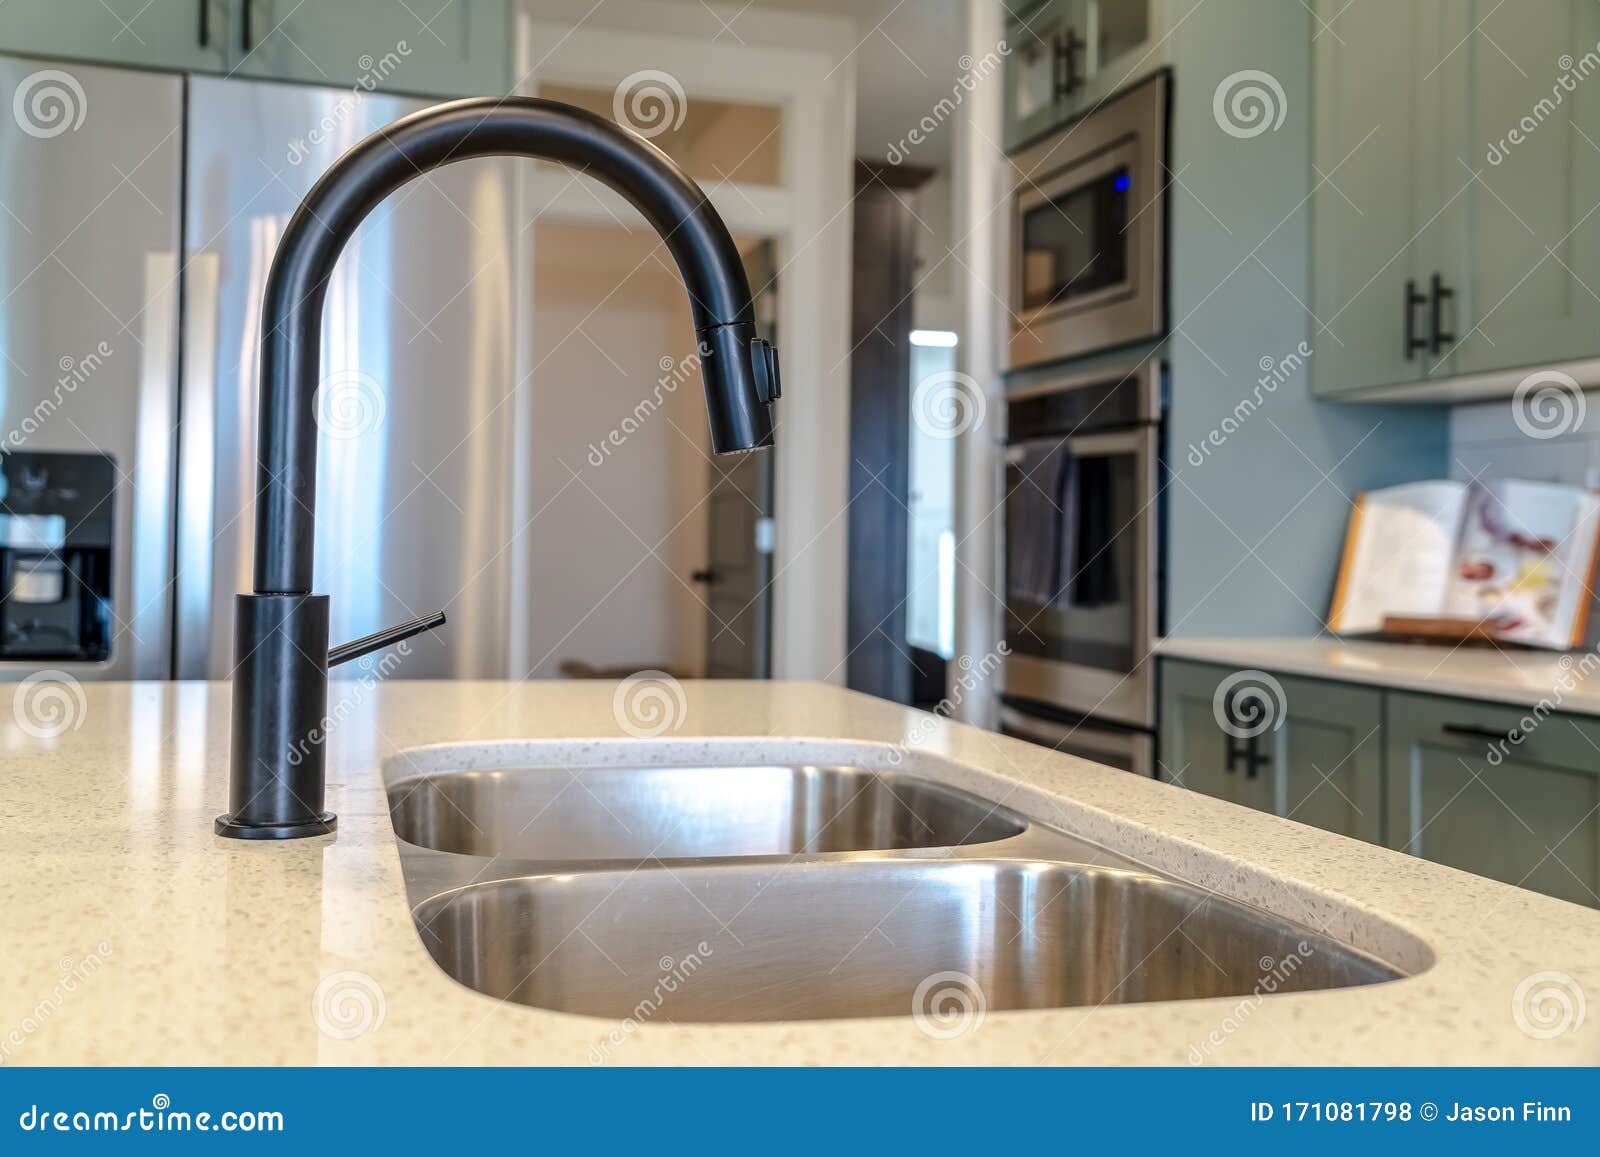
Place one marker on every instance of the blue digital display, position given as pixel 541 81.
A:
pixel 1122 183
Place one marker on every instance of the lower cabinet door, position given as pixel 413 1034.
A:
pixel 1498 791
pixel 1305 749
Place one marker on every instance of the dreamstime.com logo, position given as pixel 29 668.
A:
pixel 676 972
pixel 948 404
pixel 1547 1005
pixel 650 102
pixel 350 404
pixel 348 1004
pixel 1248 103
pixel 48 704
pixel 48 103
pixel 649 703
pixel 948 1004
pixel 1548 404
pixel 1249 703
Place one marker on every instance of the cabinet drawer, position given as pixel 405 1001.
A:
pixel 1306 749
pixel 1507 793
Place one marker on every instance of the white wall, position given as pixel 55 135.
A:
pixel 603 323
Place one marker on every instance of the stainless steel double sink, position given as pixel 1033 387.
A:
pixel 763 893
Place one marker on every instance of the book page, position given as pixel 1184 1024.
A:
pixel 1525 557
pixel 1401 555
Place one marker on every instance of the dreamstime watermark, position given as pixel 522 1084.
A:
pixel 48 704
pixel 650 102
pixel 975 673
pixel 350 404
pixel 674 372
pixel 1274 373
pixel 948 404
pixel 1572 72
pixel 1572 673
pixel 348 1004
pixel 948 1004
pixel 1249 703
pixel 1548 404
pixel 160 1117
pixel 374 671
pixel 75 371
pixel 1547 1005
pixel 74 972
pixel 48 103
pixel 675 973
pixel 649 703
pixel 1248 103
pixel 1275 973
pixel 973 73
pixel 373 73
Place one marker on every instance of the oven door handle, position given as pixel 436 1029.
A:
pixel 1131 441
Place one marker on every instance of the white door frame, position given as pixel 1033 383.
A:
pixel 809 218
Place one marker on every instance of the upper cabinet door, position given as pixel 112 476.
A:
pixel 439 48
pixel 1386 214
pixel 1534 235
pixel 174 34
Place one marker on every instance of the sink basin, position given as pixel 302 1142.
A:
pixel 864 937
pixel 642 813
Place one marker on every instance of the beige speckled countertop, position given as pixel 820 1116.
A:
pixel 1571 682
pixel 182 948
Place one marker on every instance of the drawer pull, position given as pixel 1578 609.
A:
pixel 1474 732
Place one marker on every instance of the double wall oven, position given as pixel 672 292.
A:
pixel 1083 447
pixel 1082 563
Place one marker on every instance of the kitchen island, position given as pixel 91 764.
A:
pixel 136 936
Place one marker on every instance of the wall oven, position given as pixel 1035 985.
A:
pixel 1082 527
pixel 1088 232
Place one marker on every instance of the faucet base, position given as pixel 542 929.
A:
pixel 324 825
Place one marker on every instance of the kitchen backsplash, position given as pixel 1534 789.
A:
pixel 1486 441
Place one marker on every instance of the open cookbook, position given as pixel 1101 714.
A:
pixel 1511 559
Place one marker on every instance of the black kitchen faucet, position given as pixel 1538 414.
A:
pixel 281 656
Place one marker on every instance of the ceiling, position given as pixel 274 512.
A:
pixel 905 64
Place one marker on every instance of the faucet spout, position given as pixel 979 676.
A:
pixel 276 787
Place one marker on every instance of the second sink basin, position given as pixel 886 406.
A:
pixel 868 938
pixel 644 813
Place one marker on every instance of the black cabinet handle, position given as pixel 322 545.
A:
pixel 1440 294
pixel 1067 80
pixel 1413 299
pixel 205 23
pixel 1472 731
pixel 1236 751
pixel 245 37
pixel 703 576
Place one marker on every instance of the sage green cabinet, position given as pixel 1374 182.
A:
pixel 1064 57
pixel 441 48
pixel 1389 89
pixel 1305 749
pixel 182 35
pixel 1475 786
pixel 1456 164
pixel 1532 240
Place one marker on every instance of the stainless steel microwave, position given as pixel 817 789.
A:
pixel 1088 232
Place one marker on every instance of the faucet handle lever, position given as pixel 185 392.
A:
pixel 384 638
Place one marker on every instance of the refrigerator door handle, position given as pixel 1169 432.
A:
pixel 197 438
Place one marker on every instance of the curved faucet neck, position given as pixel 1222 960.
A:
pixel 292 311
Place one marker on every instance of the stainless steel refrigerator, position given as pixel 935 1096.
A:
pixel 114 347
pixel 417 411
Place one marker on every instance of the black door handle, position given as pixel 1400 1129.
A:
pixel 1439 295
pixel 245 37
pixel 703 576
pixel 1413 299
pixel 205 23
pixel 1067 80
